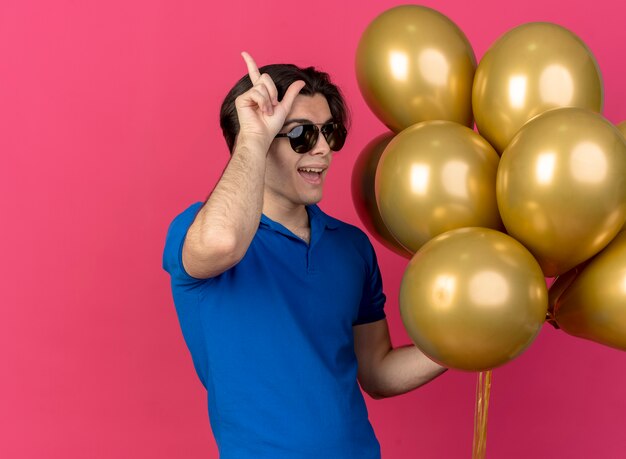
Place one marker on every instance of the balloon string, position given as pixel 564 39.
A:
pixel 483 389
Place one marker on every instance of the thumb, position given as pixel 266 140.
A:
pixel 290 95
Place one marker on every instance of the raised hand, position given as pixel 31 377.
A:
pixel 261 115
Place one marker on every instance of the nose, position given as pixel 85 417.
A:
pixel 321 146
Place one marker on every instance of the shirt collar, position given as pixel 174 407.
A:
pixel 316 216
pixel 316 213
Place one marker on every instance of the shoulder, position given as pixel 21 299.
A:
pixel 187 216
pixel 349 233
pixel 176 233
pixel 355 234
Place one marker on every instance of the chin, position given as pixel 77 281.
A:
pixel 311 199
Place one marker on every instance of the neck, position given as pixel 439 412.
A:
pixel 289 214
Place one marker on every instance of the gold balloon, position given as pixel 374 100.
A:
pixel 622 129
pixel 473 299
pixel 558 287
pixel 364 198
pixel 414 64
pixel 594 305
pixel 434 177
pixel 561 188
pixel 531 69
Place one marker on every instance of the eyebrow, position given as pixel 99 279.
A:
pixel 304 121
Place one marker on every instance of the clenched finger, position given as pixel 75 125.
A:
pixel 256 96
pixel 267 81
pixel 266 105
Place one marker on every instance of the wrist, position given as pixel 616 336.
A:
pixel 252 144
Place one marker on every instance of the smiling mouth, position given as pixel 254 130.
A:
pixel 312 175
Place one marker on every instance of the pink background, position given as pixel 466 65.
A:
pixel 109 127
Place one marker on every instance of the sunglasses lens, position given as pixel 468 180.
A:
pixel 304 137
pixel 335 135
pixel 311 134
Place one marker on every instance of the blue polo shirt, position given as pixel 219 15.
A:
pixel 271 339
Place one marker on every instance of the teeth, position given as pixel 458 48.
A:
pixel 311 169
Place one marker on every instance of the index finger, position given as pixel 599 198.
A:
pixel 253 70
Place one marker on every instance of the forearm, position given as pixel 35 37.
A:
pixel 234 207
pixel 403 369
pixel 229 219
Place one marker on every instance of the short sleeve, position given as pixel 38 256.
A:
pixel 372 307
pixel 173 252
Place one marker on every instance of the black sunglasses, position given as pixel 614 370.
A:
pixel 304 136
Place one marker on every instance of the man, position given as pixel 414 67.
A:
pixel 281 305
